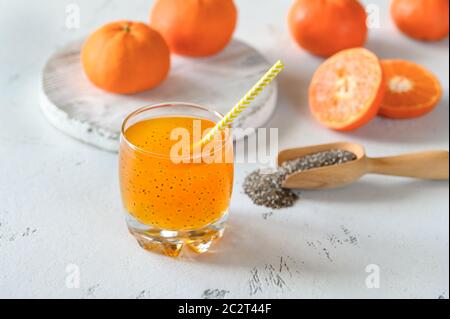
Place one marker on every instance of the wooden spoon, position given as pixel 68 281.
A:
pixel 432 165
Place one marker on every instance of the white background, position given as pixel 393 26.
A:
pixel 60 204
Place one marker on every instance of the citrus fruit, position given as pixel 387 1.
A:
pixel 195 28
pixel 328 26
pixel 347 89
pixel 421 19
pixel 411 90
pixel 125 57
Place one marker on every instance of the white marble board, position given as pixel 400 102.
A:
pixel 78 108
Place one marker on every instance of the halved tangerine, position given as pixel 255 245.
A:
pixel 411 90
pixel 347 89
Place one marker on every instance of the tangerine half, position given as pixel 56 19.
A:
pixel 411 90
pixel 347 89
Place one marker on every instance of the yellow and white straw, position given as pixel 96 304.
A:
pixel 245 101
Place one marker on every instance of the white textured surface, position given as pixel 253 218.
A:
pixel 60 201
pixel 78 108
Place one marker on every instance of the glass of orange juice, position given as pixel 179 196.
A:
pixel 175 190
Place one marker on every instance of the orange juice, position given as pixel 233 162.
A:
pixel 165 195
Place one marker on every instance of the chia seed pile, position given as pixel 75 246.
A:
pixel 264 188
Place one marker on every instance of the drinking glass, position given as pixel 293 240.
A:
pixel 173 196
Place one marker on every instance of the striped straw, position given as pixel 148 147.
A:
pixel 245 101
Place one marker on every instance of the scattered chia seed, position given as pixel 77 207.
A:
pixel 264 188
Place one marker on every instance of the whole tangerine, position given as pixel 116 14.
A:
pixel 326 27
pixel 425 20
pixel 195 28
pixel 126 57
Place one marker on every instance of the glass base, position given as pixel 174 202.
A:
pixel 172 243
